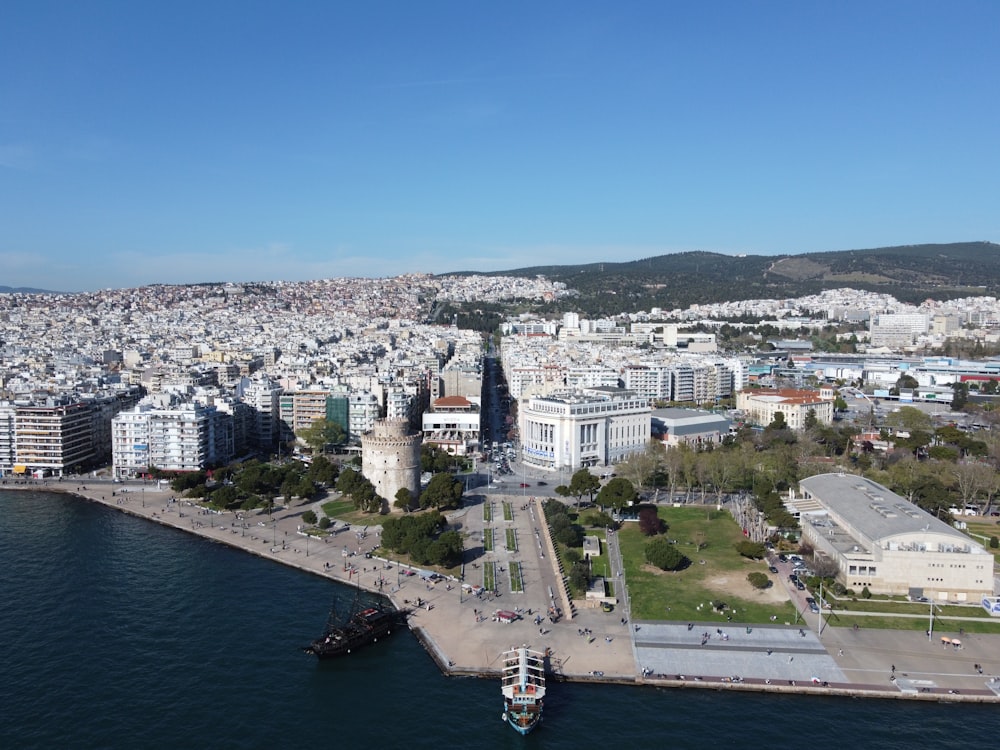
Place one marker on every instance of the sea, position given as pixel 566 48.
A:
pixel 116 632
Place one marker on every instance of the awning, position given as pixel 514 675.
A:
pixel 20 469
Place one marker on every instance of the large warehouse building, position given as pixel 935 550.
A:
pixel 881 540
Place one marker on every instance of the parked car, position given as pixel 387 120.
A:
pixel 772 569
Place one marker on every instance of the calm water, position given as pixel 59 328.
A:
pixel 117 632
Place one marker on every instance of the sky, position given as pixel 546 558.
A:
pixel 248 140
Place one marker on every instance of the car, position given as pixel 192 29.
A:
pixel 525 484
pixel 542 484
pixel 800 586
pixel 782 558
pixel 814 608
pixel 772 568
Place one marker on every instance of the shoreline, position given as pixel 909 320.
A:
pixel 473 649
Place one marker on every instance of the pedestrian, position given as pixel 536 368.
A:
pixel 840 652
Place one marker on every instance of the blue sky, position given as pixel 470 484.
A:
pixel 188 141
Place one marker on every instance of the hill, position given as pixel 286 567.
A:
pixel 910 272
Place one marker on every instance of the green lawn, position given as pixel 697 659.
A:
pixel 653 592
pixel 488 512
pixel 343 509
pixel 489 576
pixel 508 511
pixel 488 539
pixel 516 582
pixel 511 541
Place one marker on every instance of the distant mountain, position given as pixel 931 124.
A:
pixel 910 272
pixel 24 290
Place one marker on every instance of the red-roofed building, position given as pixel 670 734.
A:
pixel 761 404
pixel 452 424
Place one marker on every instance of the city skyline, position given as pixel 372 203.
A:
pixel 188 143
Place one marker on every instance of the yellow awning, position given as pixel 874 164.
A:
pixel 20 468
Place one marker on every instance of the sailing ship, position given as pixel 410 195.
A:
pixel 361 627
pixel 523 687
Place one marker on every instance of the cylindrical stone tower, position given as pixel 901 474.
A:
pixel 390 459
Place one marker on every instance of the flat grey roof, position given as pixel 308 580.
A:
pixel 873 509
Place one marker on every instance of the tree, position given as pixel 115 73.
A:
pixel 321 433
pixel 309 517
pixel 778 421
pixel 640 467
pixel 753 550
pixel 443 491
pixel 617 493
pixel 650 522
pixel 811 421
pixel 583 483
pixel 579 577
pixel 404 498
pixel 664 555
pixel 758 580
pixel 960 397
pixel 909 418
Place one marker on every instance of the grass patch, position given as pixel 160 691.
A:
pixel 942 626
pixel 488 539
pixel 489 576
pixel 339 508
pixel 511 541
pixel 508 511
pixel 653 592
pixel 488 512
pixel 516 582
pixel 343 509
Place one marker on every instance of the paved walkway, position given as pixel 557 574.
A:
pixel 463 635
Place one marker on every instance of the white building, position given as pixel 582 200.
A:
pixel 880 540
pixel 572 429
pixel 453 425
pixel 897 329
pixel 185 437
pixel 760 405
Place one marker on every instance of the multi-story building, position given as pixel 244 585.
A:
pixel 760 405
pixel 184 437
pixel 653 381
pixel 453 425
pixel 55 438
pixel 591 427
pixel 363 410
pixel 263 396
pixel 897 329
pixel 881 541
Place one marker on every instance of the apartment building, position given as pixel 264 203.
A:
pixel 182 437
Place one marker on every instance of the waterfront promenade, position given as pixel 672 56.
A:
pixel 462 634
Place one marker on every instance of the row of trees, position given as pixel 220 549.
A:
pixel 253 484
pixel 424 538
pixel 933 467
